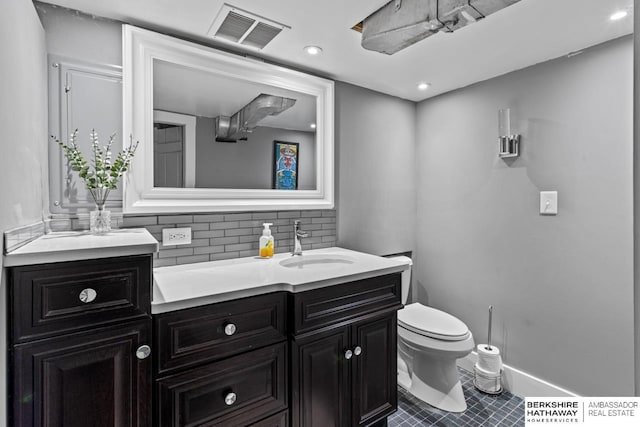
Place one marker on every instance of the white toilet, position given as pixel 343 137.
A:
pixel 429 343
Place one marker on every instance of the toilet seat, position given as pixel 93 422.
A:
pixel 432 323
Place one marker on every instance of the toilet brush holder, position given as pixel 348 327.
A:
pixel 488 368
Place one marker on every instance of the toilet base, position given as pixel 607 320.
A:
pixel 434 381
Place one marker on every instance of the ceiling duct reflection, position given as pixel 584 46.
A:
pixel 238 126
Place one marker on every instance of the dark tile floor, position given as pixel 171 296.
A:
pixel 504 410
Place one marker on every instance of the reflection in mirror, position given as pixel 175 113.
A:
pixel 234 125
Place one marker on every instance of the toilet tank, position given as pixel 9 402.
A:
pixel 406 276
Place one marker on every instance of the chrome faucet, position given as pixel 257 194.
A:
pixel 298 235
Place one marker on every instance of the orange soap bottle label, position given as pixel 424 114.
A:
pixel 267 250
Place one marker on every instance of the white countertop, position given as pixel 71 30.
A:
pixel 78 245
pixel 190 285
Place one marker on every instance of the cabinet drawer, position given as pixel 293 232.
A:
pixel 53 298
pixel 234 392
pixel 204 334
pixel 278 420
pixel 322 307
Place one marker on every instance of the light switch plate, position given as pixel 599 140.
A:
pixel 549 202
pixel 176 236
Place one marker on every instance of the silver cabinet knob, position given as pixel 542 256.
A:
pixel 230 329
pixel 87 295
pixel 230 398
pixel 348 354
pixel 143 352
pixel 357 351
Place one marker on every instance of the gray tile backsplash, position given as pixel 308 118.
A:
pixel 233 235
pixel 19 236
pixel 216 236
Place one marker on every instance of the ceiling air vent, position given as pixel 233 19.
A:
pixel 238 26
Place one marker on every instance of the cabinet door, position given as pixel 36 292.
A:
pixel 374 369
pixel 321 384
pixel 82 96
pixel 84 379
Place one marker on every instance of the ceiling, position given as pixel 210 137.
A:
pixel 529 32
pixel 205 94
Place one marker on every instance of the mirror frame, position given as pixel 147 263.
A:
pixel 140 49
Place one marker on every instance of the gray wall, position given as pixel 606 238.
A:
pixel 23 115
pixel 80 36
pixel 375 171
pixel 561 286
pixel 249 164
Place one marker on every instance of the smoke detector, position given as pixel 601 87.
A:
pixel 237 26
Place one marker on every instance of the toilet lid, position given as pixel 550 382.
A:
pixel 432 323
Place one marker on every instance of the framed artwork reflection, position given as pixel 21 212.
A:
pixel 285 165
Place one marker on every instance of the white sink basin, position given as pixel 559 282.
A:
pixel 317 261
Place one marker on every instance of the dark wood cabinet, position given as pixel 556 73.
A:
pixel 278 420
pixel 203 334
pixel 223 364
pixel 374 369
pixel 81 332
pixel 236 391
pixel 80 337
pixel 84 379
pixel 321 388
pixel 51 299
pixel 322 307
pixel 344 371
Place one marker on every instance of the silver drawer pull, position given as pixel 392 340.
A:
pixel 357 351
pixel 87 295
pixel 230 329
pixel 143 352
pixel 230 398
pixel 348 354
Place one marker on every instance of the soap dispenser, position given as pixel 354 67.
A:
pixel 267 245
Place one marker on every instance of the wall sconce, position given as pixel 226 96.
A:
pixel 508 143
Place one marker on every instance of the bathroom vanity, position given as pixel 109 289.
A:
pixel 288 341
pixel 79 330
pixel 299 341
pixel 344 353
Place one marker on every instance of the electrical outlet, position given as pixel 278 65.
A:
pixel 176 236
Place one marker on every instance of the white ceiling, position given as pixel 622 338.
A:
pixel 204 94
pixel 529 32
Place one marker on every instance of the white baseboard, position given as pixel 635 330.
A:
pixel 518 382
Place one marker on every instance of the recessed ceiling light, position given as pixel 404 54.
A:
pixel 313 50
pixel 619 15
pixel 312 125
pixel 423 86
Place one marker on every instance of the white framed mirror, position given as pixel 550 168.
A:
pixel 220 132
